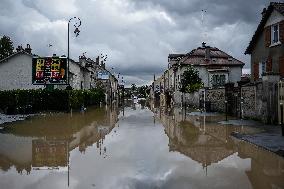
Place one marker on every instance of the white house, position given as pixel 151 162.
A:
pixel 215 67
pixel 16 71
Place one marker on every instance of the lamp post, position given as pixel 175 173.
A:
pixel 281 118
pixel 226 104
pixel 241 108
pixel 76 32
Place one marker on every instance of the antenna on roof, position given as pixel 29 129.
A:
pixel 204 33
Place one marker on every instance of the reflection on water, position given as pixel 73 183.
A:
pixel 133 147
pixel 45 142
pixel 205 141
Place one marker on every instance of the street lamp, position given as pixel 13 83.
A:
pixel 76 32
pixel 241 108
pixel 226 104
pixel 281 118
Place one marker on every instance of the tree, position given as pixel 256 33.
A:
pixel 142 90
pixel 190 81
pixel 133 88
pixel 6 47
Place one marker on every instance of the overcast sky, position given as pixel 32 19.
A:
pixel 137 35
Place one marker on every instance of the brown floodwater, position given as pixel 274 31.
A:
pixel 133 147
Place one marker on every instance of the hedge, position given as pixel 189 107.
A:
pixel 31 101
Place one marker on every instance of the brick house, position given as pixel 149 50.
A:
pixel 267 44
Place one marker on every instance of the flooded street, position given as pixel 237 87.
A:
pixel 133 147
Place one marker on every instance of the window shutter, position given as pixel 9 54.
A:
pixel 255 71
pixel 267 36
pixel 281 66
pixel 269 64
pixel 281 31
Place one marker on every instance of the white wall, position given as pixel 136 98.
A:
pixel 235 74
pixel 274 18
pixel 16 73
pixel 203 74
pixel 77 75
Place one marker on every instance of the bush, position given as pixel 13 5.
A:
pixel 29 101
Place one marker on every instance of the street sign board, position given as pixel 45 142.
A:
pixel 103 75
pixel 49 70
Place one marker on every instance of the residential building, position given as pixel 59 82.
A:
pixel 215 67
pixel 267 66
pixel 267 44
pixel 16 70
pixel 16 73
pixel 173 64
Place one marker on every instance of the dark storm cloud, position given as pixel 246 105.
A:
pixel 220 11
pixel 136 35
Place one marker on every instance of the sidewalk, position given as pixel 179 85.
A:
pixel 270 138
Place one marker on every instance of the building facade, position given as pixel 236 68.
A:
pixel 16 71
pixel 215 68
pixel 267 44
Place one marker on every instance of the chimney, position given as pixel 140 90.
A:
pixel 103 65
pixel 19 48
pixel 98 60
pixel 263 12
pixel 28 49
pixel 82 61
pixel 207 53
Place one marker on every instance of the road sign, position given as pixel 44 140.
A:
pixel 103 75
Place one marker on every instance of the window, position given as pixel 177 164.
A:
pixel 261 68
pixel 275 33
pixel 218 80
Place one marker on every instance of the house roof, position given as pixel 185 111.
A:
pixel 217 57
pixel 175 55
pixel 15 54
pixel 266 14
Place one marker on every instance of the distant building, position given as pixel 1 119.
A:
pixel 267 44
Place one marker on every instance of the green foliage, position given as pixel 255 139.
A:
pixel 6 47
pixel 30 101
pixel 133 88
pixel 190 81
pixel 142 91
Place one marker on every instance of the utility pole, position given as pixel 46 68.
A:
pixel 76 32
